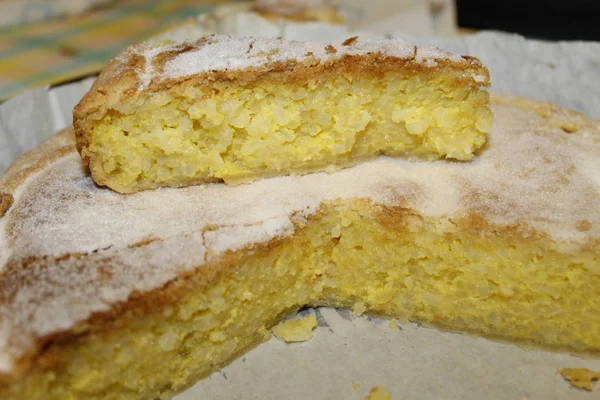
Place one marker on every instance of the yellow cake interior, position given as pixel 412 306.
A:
pixel 239 133
pixel 390 262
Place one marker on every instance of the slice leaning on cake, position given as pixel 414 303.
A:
pixel 240 109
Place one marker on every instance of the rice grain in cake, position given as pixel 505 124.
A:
pixel 240 109
pixel 106 296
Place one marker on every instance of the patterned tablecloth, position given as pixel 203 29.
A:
pixel 57 51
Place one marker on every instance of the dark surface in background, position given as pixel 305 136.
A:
pixel 541 19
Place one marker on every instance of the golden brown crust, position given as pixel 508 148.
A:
pixel 6 200
pixel 120 80
pixel 36 160
pixel 350 41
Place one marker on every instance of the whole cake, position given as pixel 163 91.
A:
pixel 110 296
pixel 239 109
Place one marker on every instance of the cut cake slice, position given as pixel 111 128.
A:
pixel 239 109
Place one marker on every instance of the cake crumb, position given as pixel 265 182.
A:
pixel 378 393
pixel 356 386
pixel 394 325
pixel 581 378
pixel 296 330
pixel 329 49
pixel 359 309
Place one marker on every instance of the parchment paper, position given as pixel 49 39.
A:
pixel 412 362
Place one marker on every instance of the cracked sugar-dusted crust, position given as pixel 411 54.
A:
pixel 144 68
pixel 72 253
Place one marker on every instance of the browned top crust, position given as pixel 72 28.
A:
pixel 36 160
pixel 143 69
pixel 6 200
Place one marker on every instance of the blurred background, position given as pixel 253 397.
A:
pixel 49 42
pixel 541 19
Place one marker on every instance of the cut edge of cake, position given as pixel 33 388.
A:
pixel 166 83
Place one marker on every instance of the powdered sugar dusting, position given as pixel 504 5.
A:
pixel 148 71
pixel 184 58
pixel 532 173
pixel 220 52
pixel 237 237
pixel 432 53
